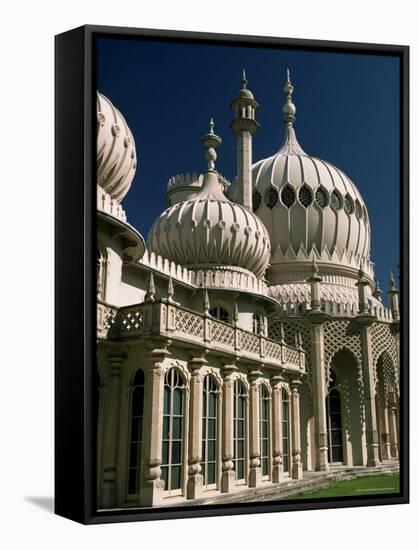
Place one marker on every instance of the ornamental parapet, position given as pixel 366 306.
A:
pixel 381 313
pixel 162 318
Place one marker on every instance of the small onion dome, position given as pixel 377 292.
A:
pixel 209 230
pixel 309 207
pixel 116 156
pixel 244 92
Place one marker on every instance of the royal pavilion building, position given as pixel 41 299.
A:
pixel 245 344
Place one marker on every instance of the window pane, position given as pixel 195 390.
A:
pixel 132 481
pixel 240 470
pixel 177 427
pixel 265 429
pixel 212 405
pixel 166 401
pixel 211 428
pixel 133 454
pixel 211 474
pixel 165 452
pixel 165 476
pixel 177 401
pixel 240 449
pixel 240 428
pixel 138 401
pixel 165 427
pixel 135 429
pixel 176 452
pixel 240 407
pixel 264 447
pixel 176 473
pixel 211 450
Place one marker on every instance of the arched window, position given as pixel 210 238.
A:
pixel 136 433
pixel 209 432
pixel 239 459
pixel 264 428
pixel 334 425
pixel 172 443
pixel 285 431
pixel 220 314
pixel 257 323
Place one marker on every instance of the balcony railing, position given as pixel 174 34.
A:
pixel 163 318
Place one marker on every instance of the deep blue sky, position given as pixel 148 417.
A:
pixel 347 114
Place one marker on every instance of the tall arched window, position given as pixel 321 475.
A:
pixel 264 427
pixel 220 313
pixel 209 432
pixel 172 442
pixel 334 425
pixel 257 323
pixel 239 459
pixel 136 433
pixel 285 431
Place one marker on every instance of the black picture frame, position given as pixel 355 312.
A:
pixel 75 298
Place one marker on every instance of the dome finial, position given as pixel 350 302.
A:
pixel 211 141
pixel 289 108
pixel 244 80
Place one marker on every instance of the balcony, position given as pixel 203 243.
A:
pixel 166 319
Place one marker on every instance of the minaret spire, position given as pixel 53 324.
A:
pixel 244 125
pixel 290 144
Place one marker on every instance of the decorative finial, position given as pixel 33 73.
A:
pixel 377 290
pixel 211 141
pixel 236 313
pixel 151 291
pixel 170 290
pixel 206 303
pixel 314 272
pixel 289 108
pixel 392 283
pixel 244 80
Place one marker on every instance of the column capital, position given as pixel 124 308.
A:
pixel 228 369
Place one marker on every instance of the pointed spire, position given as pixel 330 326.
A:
pixel 211 141
pixel 151 290
pixel 170 290
pixel 289 108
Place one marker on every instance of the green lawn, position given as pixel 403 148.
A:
pixel 368 485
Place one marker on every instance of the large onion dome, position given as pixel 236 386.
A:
pixel 209 230
pixel 311 209
pixel 116 156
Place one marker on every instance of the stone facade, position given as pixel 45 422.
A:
pixel 226 363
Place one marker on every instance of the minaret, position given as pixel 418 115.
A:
pixel 244 125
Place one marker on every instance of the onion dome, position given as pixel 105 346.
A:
pixel 209 230
pixel 116 156
pixel 310 209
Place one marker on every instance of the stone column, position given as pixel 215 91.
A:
pixel 277 469
pixel 319 395
pixel 255 473
pixel 297 466
pixel 385 429
pixel 111 408
pixel 369 391
pixel 317 317
pixel 228 477
pixel 393 427
pixel 151 493
pixel 195 479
